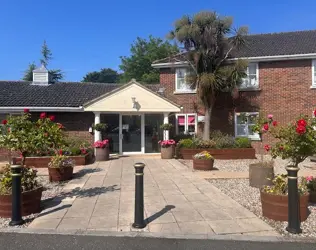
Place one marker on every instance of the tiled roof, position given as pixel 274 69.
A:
pixel 272 44
pixel 61 94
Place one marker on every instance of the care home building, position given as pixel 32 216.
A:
pixel 281 80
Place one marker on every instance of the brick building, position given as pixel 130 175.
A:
pixel 281 80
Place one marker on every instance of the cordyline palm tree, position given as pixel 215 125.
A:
pixel 209 41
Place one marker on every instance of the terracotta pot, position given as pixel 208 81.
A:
pixel 312 197
pixel 60 174
pixel 167 153
pixel 199 164
pixel 261 174
pixel 31 203
pixel 222 154
pixel 102 154
pixel 275 207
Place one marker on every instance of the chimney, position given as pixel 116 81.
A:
pixel 41 76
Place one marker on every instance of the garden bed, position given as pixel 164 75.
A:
pixel 222 154
pixel 42 161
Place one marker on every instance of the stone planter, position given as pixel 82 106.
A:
pixel 199 164
pixel 42 161
pixel 222 154
pixel 312 197
pixel 31 203
pixel 275 207
pixel 261 174
pixel 167 153
pixel 102 154
pixel 60 174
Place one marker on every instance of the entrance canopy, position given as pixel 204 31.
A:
pixel 132 97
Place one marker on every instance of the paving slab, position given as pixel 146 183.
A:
pixel 177 201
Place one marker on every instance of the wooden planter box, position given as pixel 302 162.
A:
pixel 199 164
pixel 312 197
pixel 42 161
pixel 31 203
pixel 60 174
pixel 222 154
pixel 275 207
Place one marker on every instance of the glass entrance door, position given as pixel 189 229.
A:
pixel 131 133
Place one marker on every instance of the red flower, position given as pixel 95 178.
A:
pixel 60 152
pixel 9 130
pixel 4 122
pixel 302 123
pixel 60 126
pixel 281 148
pixel 52 118
pixel 83 151
pixel 43 115
pixel 266 127
pixel 45 134
pixel 315 112
pixel 274 123
pixel 267 147
pixel 301 130
pixel 26 110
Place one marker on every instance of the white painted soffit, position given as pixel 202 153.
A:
pixel 41 109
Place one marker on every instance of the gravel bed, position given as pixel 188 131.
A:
pixel 50 191
pixel 249 197
pixel 242 165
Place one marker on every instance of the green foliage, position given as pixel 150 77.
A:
pixel 47 54
pixel 105 75
pixel 143 53
pixel 186 143
pixel 28 73
pixel 28 181
pixel 311 183
pixel 75 151
pixel 208 41
pixel 199 143
pixel 222 140
pixel 61 161
pixel 166 126
pixel 179 137
pixel 280 186
pixel 100 127
pixel 243 142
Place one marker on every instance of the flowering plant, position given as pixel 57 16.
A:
pixel 311 183
pixel 61 161
pixel 296 141
pixel 167 143
pixel 101 144
pixel 204 155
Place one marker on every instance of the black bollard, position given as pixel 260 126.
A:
pixel 16 218
pixel 139 221
pixel 294 221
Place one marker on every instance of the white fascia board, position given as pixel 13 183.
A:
pixel 169 65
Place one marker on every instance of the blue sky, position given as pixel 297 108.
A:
pixel 88 35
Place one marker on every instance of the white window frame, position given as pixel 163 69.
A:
pixel 257 76
pixel 313 73
pixel 254 137
pixel 176 81
pixel 186 125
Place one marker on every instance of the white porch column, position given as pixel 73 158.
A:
pixel 97 134
pixel 165 121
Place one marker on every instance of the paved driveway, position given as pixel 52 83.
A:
pixel 177 201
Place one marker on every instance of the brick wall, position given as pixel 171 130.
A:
pixel 284 92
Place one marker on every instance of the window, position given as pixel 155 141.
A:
pixel 252 79
pixel 182 84
pixel 314 73
pixel 186 123
pixel 244 123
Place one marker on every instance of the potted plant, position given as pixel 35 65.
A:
pixel 102 150
pixel 166 127
pixel 262 173
pixel 203 161
pixel 60 168
pixel 295 142
pixel 100 127
pixel 167 148
pixel 274 199
pixel 311 185
pixel 31 192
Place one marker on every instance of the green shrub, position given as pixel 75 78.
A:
pixel 243 142
pixel 75 151
pixel 186 143
pixel 205 144
pixel 222 140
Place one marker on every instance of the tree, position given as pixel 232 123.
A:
pixel 47 56
pixel 143 53
pixel 105 75
pixel 209 41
